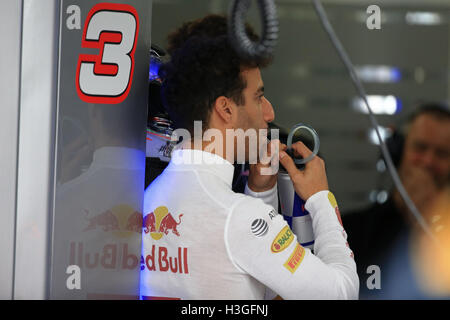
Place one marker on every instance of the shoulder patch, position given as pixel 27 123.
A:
pixel 259 227
pixel 295 259
pixel 282 240
pixel 332 200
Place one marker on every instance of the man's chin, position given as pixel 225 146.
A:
pixel 442 183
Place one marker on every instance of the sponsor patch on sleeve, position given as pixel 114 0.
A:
pixel 334 204
pixel 272 214
pixel 332 200
pixel 259 227
pixel 282 240
pixel 295 259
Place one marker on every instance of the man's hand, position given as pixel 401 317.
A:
pixel 259 182
pixel 310 180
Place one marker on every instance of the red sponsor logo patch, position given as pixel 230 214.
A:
pixel 295 259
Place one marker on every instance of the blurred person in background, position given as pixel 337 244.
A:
pixel 388 236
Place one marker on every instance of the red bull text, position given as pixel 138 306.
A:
pixel 113 256
pixel 158 223
pixel 160 260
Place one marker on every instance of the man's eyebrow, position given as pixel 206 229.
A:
pixel 260 90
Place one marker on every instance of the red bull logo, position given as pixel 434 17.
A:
pixel 112 242
pixel 106 221
pixel 122 220
pixel 134 222
pixel 160 222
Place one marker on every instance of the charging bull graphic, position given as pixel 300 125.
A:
pixel 134 222
pixel 150 222
pixel 160 222
pixel 121 219
pixel 106 220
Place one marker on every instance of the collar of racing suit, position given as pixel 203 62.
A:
pixel 197 160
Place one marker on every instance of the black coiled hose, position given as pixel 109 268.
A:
pixel 238 36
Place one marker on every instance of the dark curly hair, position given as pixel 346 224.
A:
pixel 202 68
pixel 212 25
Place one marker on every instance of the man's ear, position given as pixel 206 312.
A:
pixel 224 109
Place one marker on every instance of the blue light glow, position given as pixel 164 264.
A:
pixel 399 105
pixel 396 75
pixel 379 73
pixel 388 105
pixel 153 72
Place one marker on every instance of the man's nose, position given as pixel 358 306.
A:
pixel 428 159
pixel 268 113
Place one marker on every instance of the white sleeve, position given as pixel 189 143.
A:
pixel 262 244
pixel 269 197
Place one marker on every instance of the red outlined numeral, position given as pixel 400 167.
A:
pixel 106 78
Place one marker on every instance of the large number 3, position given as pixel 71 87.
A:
pixel 106 77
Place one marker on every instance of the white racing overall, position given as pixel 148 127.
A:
pixel 201 240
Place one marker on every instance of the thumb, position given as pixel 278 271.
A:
pixel 288 164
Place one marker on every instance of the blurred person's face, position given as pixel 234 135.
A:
pixel 427 146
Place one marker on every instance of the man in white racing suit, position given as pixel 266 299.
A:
pixel 203 241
